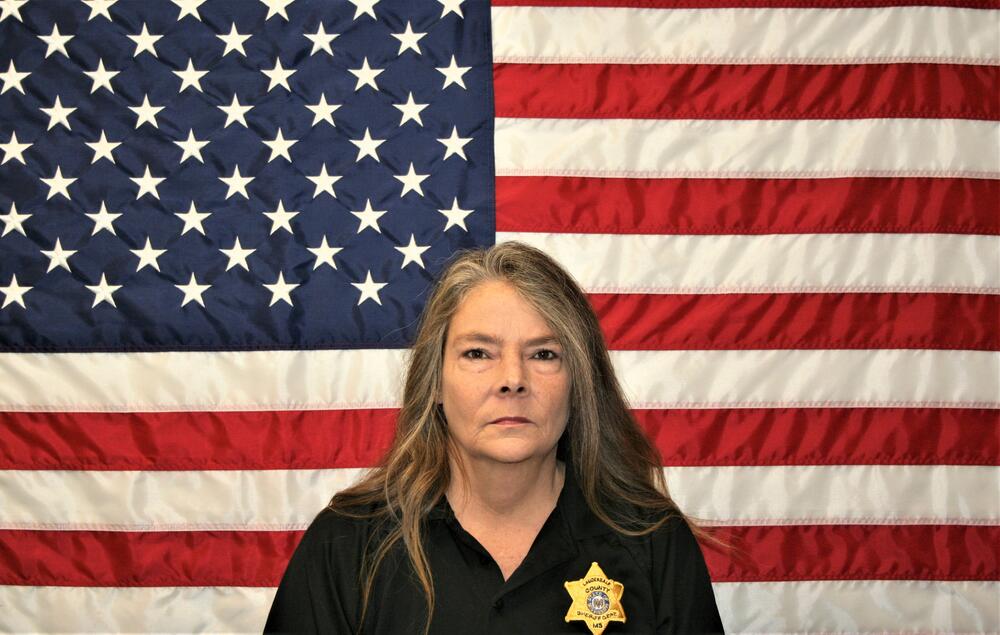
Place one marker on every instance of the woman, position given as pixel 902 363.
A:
pixel 519 495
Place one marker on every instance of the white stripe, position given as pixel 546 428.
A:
pixel 289 499
pixel 836 494
pixel 652 379
pixel 745 35
pixel 698 148
pixel 727 263
pixel 863 606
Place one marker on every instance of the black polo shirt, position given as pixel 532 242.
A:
pixel 667 588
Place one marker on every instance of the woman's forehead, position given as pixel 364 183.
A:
pixel 494 312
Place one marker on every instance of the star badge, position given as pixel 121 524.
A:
pixel 597 600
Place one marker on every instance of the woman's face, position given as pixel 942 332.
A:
pixel 505 386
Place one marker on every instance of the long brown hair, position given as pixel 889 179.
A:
pixel 619 472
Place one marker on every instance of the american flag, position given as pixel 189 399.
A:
pixel 221 217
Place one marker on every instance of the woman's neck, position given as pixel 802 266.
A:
pixel 498 491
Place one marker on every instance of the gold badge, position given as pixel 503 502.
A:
pixel 597 600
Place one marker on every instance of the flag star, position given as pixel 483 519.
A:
pixel 455 144
pixel 321 40
pixel 193 219
pixel 103 148
pixel 364 6
pixel 411 181
pixel 323 182
pixel 456 216
pixel 147 184
pixel 281 219
pixel 367 146
pixel 281 290
pixel 145 41
pixel 11 8
pixel 413 253
pixel 369 289
pixel 147 256
pixel 411 111
pixel 192 291
pixel 324 254
pixel 103 219
pixel 237 255
pixel 277 7
pixel 12 221
pixel 323 111
pixel 451 6
pixel 190 76
pixel 99 7
pixel 55 41
pixel 235 112
pixel 103 292
pixel 408 39
pixel 453 73
pixel 278 75
pixel 58 257
pixel 234 41
pixel 12 78
pixel 189 7
pixel 13 149
pixel 58 184
pixel 280 146
pixel 237 183
pixel 191 147
pixel 366 75
pixel 13 292
pixel 369 217
pixel 101 77
pixel 146 112
pixel 58 114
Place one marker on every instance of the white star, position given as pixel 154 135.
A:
pixel 192 291
pixel 323 182
pixel 235 112
pixel 99 7
pixel 280 146
pixel 367 146
pixel 281 219
pixel 12 78
pixel 413 253
pixel 234 41
pixel 408 39
pixel 324 254
pixel 58 114
pixel 13 149
pixel 103 292
pixel 193 219
pixel 281 290
pixel 101 77
pixel 237 183
pixel 103 219
pixel 455 144
pixel 147 256
pixel 369 289
pixel 191 147
pixel 11 8
pixel 12 221
pixel 369 217
pixel 13 292
pixel 58 184
pixel 277 7
pixel 147 184
pixel 411 111
pixel 145 41
pixel 145 112
pixel 55 41
pixel 190 76
pixel 364 6
pixel 451 6
pixel 411 181
pixel 189 7
pixel 366 75
pixel 456 216
pixel 237 255
pixel 453 73
pixel 103 148
pixel 323 111
pixel 58 257
pixel 321 40
pixel 278 75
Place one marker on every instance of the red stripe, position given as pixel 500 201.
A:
pixel 799 320
pixel 855 552
pixel 824 436
pixel 747 206
pixel 749 4
pixel 734 91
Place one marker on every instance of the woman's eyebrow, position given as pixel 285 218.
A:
pixel 495 341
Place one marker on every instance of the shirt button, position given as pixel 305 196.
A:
pixel 498 604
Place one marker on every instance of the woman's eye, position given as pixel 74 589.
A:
pixel 546 355
pixel 475 353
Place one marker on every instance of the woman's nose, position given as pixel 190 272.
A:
pixel 513 379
